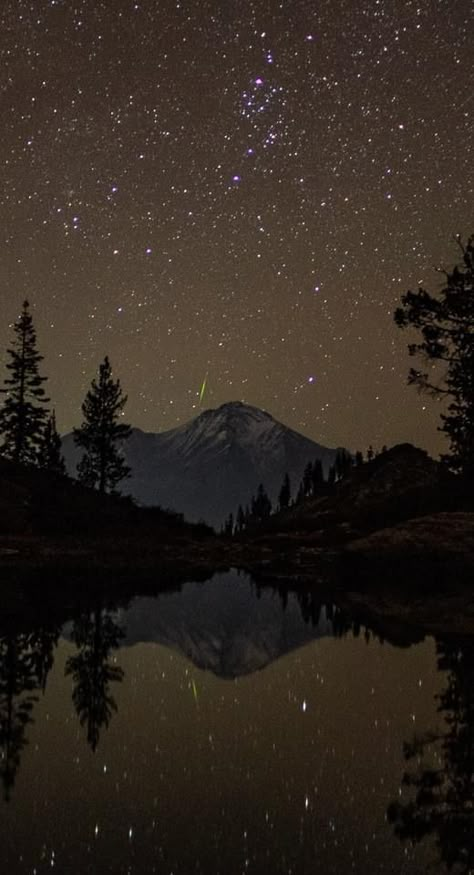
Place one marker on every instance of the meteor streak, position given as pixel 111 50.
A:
pixel 203 389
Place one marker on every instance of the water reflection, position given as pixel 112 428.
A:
pixel 26 658
pixel 440 779
pixel 227 626
pixel 93 669
pixel 227 702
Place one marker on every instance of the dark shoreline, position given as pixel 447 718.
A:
pixel 404 605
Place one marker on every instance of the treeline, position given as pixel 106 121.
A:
pixel 313 484
pixel 28 425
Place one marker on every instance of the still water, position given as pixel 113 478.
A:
pixel 223 729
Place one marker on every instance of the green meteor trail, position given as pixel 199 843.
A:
pixel 203 389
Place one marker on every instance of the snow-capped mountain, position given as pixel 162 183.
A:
pixel 215 462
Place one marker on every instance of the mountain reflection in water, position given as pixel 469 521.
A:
pixel 229 728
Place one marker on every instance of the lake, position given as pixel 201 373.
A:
pixel 225 728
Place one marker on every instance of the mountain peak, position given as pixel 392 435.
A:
pixel 237 409
pixel 206 467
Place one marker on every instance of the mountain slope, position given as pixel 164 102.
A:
pixel 209 466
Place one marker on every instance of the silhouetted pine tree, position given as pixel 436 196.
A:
pixel 343 464
pixel 49 453
pixel 19 683
pixel 317 476
pixel 307 481
pixel 300 494
pixel 96 635
pixel 240 520
pixel 440 800
pixel 24 411
pixel 261 505
pixel 446 325
pixel 348 462
pixel 102 466
pixel 228 528
pixel 43 641
pixel 285 493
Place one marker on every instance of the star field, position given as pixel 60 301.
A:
pixel 238 190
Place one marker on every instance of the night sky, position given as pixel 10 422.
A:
pixel 234 189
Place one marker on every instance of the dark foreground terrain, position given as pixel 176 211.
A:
pixel 398 528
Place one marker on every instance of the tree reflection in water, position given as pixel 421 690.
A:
pixel 442 776
pixel 96 635
pixel 26 659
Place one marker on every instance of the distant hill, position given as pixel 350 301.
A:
pixel 215 462
pixel 399 484
pixel 36 504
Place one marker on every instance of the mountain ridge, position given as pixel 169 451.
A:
pixel 208 466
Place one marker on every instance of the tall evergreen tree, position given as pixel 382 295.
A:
pixel 446 325
pixel 49 454
pixel 307 482
pixel 228 527
pixel 343 463
pixel 25 408
pixel 285 493
pixel 102 466
pixel 317 476
pixel 93 669
pixel 240 520
pixel 300 496
pixel 440 777
pixel 25 661
pixel 261 505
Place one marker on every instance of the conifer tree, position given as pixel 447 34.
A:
pixel 439 780
pixel 240 520
pixel 247 516
pixel 24 410
pixel 285 493
pixel 307 481
pixel 261 505
pixel 102 466
pixel 93 669
pixel 300 496
pixel 343 463
pixel 228 527
pixel 49 456
pixel 23 672
pixel 446 325
pixel 317 476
